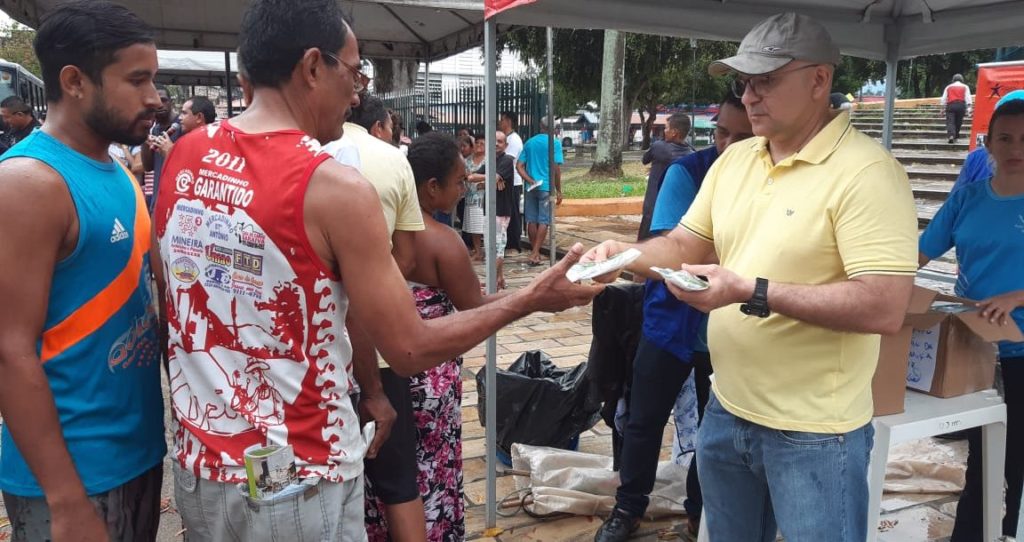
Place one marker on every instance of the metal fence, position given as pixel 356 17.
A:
pixel 456 108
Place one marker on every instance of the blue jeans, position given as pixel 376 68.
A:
pixel 755 480
pixel 537 207
pixel 221 512
pixel 657 378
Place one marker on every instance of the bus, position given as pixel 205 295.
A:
pixel 17 81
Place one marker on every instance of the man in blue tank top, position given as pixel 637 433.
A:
pixel 83 441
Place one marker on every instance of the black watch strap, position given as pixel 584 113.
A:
pixel 758 303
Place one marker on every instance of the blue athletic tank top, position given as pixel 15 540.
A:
pixel 99 343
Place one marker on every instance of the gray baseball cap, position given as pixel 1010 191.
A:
pixel 775 42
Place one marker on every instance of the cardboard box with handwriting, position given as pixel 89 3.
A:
pixel 945 349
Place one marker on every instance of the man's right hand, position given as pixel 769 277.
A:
pixel 77 521
pixel 602 252
pixel 377 408
pixel 552 292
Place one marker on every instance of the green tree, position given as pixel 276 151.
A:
pixel 927 76
pixel 16 46
pixel 852 73
pixel 576 62
pixel 663 70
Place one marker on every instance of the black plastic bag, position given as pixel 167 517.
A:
pixel 539 403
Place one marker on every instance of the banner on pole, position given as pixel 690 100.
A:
pixel 494 7
pixel 995 80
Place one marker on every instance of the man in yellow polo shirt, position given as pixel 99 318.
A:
pixel 814 227
pixel 390 465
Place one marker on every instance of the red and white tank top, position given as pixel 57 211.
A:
pixel 257 344
pixel 956 93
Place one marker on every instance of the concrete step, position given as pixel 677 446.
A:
pixel 953 167
pixel 925 173
pixel 900 127
pixel 931 194
pixel 907 121
pixel 914 134
pixel 878 114
pixel 937 162
pixel 926 209
pixel 952 159
pixel 943 186
pixel 601 206
pixel 904 120
pixel 906 113
pixel 937 190
pixel 928 145
pixel 908 118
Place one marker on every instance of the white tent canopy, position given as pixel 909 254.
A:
pixel 866 28
pixel 406 29
pixel 194 67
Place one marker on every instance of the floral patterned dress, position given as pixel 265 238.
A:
pixel 436 405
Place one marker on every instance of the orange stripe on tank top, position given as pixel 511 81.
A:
pixel 94 313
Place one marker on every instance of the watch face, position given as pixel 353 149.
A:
pixel 754 310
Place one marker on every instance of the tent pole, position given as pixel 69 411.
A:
pixel 227 82
pixel 491 128
pixel 426 91
pixel 551 142
pixel 692 136
pixel 891 61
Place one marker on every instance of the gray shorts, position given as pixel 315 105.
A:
pixel 131 511
pixel 218 512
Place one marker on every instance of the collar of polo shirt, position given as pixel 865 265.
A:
pixel 818 149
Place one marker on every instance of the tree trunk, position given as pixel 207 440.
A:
pixel 608 160
pixel 648 124
pixel 641 112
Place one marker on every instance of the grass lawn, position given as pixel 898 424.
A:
pixel 578 184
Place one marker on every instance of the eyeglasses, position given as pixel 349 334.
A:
pixel 761 85
pixel 360 81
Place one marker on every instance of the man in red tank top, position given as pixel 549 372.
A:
pixel 268 249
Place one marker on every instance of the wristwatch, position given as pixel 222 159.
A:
pixel 758 303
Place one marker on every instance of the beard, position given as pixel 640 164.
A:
pixel 107 124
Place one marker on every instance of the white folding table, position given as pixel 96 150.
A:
pixel 927 416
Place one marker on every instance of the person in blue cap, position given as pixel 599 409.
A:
pixel 984 222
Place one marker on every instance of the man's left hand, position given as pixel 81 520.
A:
pixel 376 407
pixel 558 197
pixel 161 144
pixel 725 288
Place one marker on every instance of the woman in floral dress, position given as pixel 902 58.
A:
pixel 442 282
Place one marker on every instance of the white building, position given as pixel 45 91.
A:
pixel 466 69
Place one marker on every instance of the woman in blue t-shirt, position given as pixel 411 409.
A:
pixel 984 221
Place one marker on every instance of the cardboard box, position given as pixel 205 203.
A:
pixel 889 385
pixel 945 349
